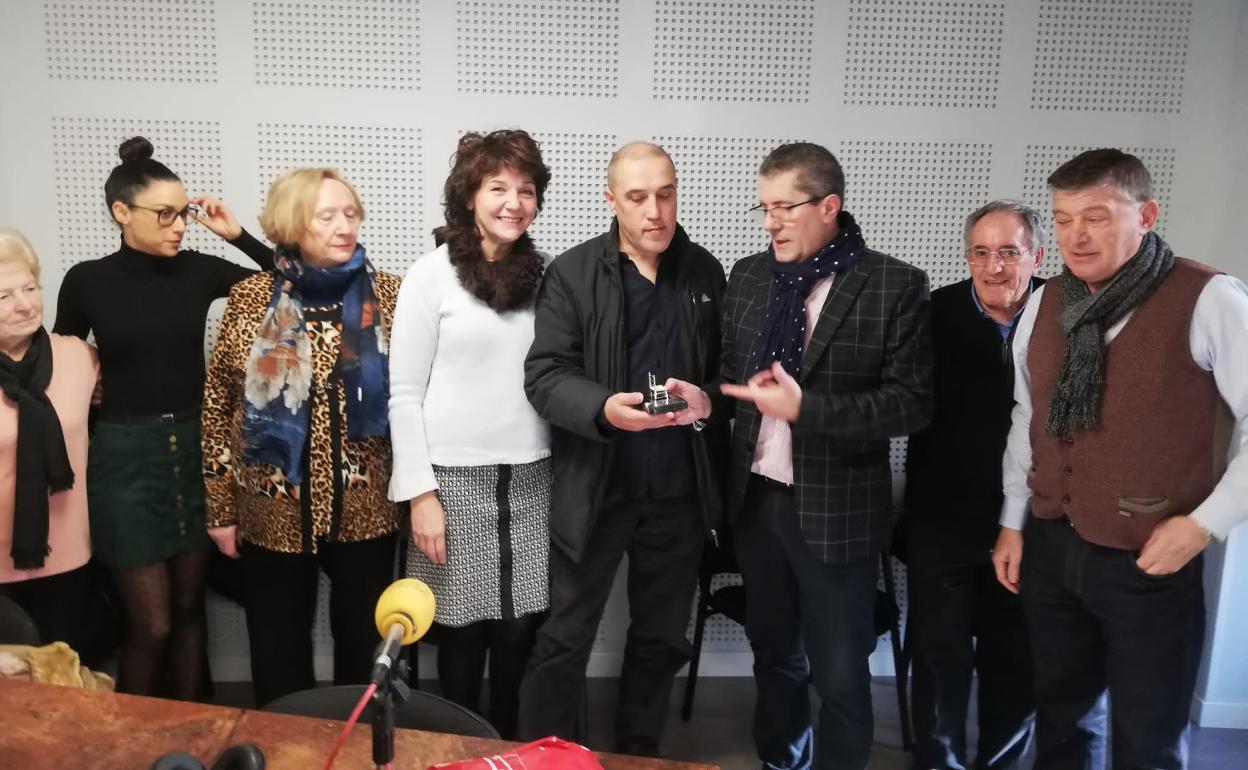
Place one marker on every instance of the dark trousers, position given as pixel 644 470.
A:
pixel 962 623
pixel 1099 624
pixel 462 656
pixel 805 620
pixel 663 540
pixel 59 605
pixel 281 606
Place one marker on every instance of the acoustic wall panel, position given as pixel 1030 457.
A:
pixel 131 40
pixel 717 183
pixel 384 165
pixel 923 53
pixel 367 44
pixel 910 198
pixel 575 209
pixel 568 48
pixel 84 151
pixel 733 51
pixel 1111 55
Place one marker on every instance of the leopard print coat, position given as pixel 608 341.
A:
pixel 258 498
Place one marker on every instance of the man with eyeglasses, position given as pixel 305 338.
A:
pixel 827 348
pixel 1130 372
pixel 962 621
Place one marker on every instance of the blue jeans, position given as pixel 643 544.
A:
pixel 1099 625
pixel 805 620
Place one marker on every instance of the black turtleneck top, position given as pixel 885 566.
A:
pixel 148 314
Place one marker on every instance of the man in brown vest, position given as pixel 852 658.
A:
pixel 1129 367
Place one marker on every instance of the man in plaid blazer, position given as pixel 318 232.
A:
pixel 827 346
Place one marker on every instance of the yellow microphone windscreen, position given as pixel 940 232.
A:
pixel 408 602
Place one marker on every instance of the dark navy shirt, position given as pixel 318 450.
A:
pixel 654 464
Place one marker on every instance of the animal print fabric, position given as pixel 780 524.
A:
pixel 258 498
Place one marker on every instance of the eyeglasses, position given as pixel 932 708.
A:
pixel 980 255
pixel 165 217
pixel 782 212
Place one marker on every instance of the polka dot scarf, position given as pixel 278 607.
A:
pixel 783 331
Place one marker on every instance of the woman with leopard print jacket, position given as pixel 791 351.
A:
pixel 296 443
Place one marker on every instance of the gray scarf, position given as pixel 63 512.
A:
pixel 1085 316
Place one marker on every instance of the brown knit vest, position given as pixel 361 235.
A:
pixel 1161 437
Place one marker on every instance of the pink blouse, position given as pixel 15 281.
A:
pixel 74 370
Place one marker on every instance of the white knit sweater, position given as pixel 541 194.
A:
pixel 456 381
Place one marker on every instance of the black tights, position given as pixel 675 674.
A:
pixel 165 633
pixel 461 665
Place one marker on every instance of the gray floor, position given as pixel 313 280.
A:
pixel 719 732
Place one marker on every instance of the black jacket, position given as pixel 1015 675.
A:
pixel 866 377
pixel 953 466
pixel 578 360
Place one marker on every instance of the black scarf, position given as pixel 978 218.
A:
pixel 784 326
pixel 1076 398
pixel 42 462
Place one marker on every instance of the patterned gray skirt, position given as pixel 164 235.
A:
pixel 497 543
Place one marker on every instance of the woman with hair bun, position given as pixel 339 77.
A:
pixel 147 306
pixel 471 456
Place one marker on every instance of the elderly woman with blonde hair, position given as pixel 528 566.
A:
pixel 47 381
pixel 296 440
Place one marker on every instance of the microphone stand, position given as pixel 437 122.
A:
pixel 391 690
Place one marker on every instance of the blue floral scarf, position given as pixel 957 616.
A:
pixel 276 411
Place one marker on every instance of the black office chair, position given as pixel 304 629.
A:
pixel 16 625
pixel 888 618
pixel 729 601
pixel 422 711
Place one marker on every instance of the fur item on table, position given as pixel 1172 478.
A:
pixel 54 663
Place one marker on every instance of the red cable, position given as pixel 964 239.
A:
pixel 346 730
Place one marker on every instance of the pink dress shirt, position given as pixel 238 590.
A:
pixel 773 453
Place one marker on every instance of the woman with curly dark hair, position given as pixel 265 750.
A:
pixel 471 456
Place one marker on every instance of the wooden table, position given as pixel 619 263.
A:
pixel 43 727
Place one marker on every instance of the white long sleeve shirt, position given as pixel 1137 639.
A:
pixel 1219 344
pixel 456 381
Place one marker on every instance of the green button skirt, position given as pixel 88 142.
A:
pixel 145 489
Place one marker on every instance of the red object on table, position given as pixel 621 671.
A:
pixel 549 753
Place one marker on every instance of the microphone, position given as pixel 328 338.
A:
pixel 404 613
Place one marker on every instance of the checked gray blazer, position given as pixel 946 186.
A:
pixel 866 376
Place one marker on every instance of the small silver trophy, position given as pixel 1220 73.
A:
pixel 660 401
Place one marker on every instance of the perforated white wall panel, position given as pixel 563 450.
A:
pixel 384 165
pixel 717 184
pixel 932 106
pixel 131 40
pixel 575 209
pixel 366 44
pixel 1113 55
pixel 733 51
pixel 570 48
pixel 923 53
pixel 903 195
